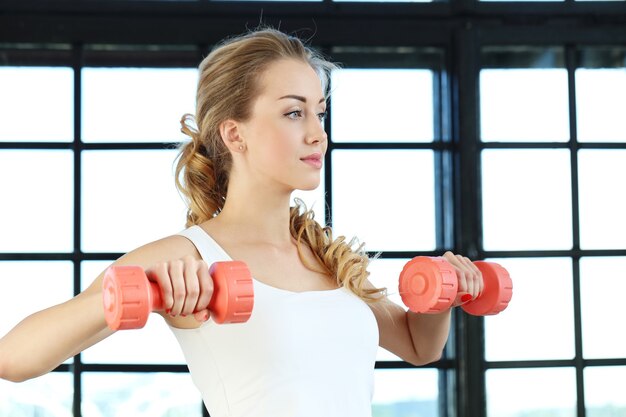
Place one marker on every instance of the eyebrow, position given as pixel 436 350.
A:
pixel 300 98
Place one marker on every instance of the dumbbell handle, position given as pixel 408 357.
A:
pixel 430 285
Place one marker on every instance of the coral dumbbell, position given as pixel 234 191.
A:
pixel 430 285
pixel 129 296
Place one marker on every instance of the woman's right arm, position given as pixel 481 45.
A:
pixel 44 340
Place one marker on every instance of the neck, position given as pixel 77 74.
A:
pixel 257 216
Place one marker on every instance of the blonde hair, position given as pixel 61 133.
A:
pixel 227 85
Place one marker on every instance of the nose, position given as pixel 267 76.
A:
pixel 316 132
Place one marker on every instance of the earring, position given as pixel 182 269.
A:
pixel 241 147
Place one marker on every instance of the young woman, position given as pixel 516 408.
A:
pixel 309 347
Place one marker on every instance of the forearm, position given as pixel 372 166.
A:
pixel 43 340
pixel 429 333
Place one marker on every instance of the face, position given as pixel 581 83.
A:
pixel 285 138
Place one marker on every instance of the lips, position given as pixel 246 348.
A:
pixel 314 160
pixel 313 157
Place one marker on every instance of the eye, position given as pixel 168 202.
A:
pixel 296 114
pixel 322 116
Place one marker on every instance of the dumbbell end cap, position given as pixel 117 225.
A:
pixel 497 292
pixel 126 297
pixel 233 294
pixel 427 285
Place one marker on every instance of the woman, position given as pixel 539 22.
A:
pixel 309 347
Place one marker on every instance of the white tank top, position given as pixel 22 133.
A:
pixel 301 354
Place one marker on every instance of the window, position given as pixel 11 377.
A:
pixel 552 156
pixel 490 128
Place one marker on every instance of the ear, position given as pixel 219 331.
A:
pixel 230 131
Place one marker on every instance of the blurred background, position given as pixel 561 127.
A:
pixel 493 129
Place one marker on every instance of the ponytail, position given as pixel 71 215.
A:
pixel 200 178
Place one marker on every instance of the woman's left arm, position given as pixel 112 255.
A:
pixel 420 338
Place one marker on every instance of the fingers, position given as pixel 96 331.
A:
pixel 159 273
pixel 176 275
pixel 470 278
pixel 192 286
pixel 206 286
pixel 186 286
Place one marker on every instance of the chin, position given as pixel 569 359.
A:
pixel 308 186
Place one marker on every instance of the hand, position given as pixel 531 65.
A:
pixel 470 278
pixel 186 286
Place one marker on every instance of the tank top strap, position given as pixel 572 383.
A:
pixel 208 248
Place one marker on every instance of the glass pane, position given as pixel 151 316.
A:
pixel 524 105
pixel 546 392
pixel 524 0
pixel 527 199
pixel 49 395
pixel 604 391
pixel 154 343
pixel 129 199
pixel 386 273
pixel 31 286
pixel 148 394
pixel 382 105
pixel 37 210
pixel 600 104
pixel 406 392
pixel 602 288
pixel 314 199
pixel 541 310
pixel 36 104
pixel 387 1
pixel 154 100
pixel 395 219
pixel 278 1
pixel 601 178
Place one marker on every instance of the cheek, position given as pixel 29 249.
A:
pixel 276 148
pixel 283 140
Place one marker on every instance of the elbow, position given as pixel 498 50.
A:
pixel 8 371
pixel 422 359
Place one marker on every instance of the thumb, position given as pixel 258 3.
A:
pixel 462 298
pixel 202 315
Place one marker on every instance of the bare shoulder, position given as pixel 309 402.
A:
pixel 166 249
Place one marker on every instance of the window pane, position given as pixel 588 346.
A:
pixel 524 105
pixel 49 395
pixel 601 178
pixel 36 104
pixel 31 286
pixel 406 392
pixel 382 105
pixel 541 309
pixel 153 344
pixel 602 288
pixel 136 104
pixel 527 202
pixel 148 394
pixel 600 104
pixel 386 273
pixel 388 1
pixel 385 198
pixel 604 391
pixel 129 199
pixel 37 212
pixel 546 392
pixel 278 1
pixel 524 0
